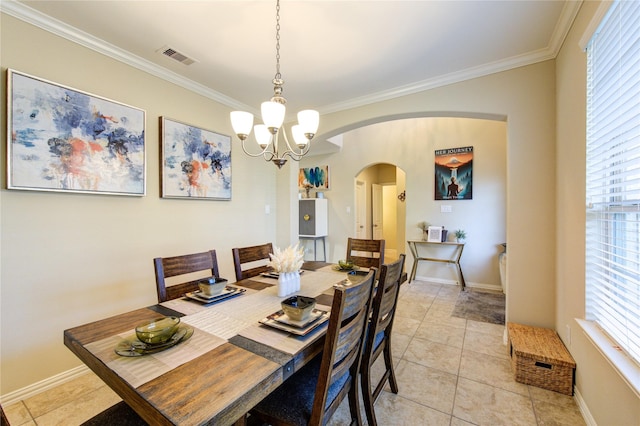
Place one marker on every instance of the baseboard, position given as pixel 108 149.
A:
pixel 584 410
pixel 43 385
pixel 482 286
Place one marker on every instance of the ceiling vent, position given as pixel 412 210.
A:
pixel 174 54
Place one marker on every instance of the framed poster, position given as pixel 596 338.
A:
pixel 313 177
pixel 196 163
pixel 62 139
pixel 454 174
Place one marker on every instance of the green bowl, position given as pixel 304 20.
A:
pixel 212 286
pixel 345 264
pixel 157 331
pixel 298 308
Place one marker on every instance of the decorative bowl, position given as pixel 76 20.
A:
pixel 157 331
pixel 298 308
pixel 345 264
pixel 212 286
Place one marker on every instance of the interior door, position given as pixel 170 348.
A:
pixel 376 211
pixel 361 210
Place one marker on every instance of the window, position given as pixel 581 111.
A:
pixel 613 177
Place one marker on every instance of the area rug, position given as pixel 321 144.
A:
pixel 480 306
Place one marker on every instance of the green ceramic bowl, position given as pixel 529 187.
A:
pixel 298 308
pixel 157 331
pixel 212 286
pixel 345 264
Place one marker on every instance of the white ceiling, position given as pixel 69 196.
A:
pixel 335 54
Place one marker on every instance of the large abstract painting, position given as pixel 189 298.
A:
pixel 61 139
pixel 196 163
pixel 454 174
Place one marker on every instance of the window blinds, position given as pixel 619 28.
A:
pixel 613 177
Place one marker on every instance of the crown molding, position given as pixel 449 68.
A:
pixel 47 23
pixel 59 28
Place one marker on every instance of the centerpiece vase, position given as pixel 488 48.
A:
pixel 288 283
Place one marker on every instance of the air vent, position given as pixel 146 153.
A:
pixel 174 54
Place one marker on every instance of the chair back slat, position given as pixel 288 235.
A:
pixel 168 267
pixel 250 255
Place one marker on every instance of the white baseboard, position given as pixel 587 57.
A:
pixel 43 385
pixel 584 410
pixel 482 286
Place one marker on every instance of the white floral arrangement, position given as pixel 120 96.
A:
pixel 287 260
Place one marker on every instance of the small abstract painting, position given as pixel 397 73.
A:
pixel 196 163
pixel 61 139
pixel 313 177
pixel 454 173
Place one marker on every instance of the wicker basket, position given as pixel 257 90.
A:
pixel 539 358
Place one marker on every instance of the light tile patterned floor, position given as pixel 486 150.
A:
pixel 450 371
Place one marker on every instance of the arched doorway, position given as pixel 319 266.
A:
pixel 379 206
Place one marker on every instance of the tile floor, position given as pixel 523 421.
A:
pixel 451 371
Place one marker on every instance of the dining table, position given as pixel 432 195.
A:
pixel 235 356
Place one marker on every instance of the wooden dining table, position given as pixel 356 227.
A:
pixel 229 364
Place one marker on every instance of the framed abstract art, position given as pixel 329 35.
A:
pixel 63 139
pixel 196 163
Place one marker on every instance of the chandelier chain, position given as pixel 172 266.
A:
pixel 278 76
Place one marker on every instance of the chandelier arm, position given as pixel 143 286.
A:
pixel 261 153
pixel 292 150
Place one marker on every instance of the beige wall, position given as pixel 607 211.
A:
pixel 68 259
pixel 610 400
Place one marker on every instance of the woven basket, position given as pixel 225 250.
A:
pixel 539 358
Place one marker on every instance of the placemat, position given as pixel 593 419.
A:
pixel 140 370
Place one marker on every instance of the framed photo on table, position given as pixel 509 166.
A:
pixel 62 139
pixel 196 163
pixel 434 234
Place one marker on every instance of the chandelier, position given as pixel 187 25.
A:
pixel 273 111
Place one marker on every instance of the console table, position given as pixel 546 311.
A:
pixel 454 258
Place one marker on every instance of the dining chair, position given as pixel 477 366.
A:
pixel 378 338
pixel 365 253
pixel 185 266
pixel 312 394
pixel 244 256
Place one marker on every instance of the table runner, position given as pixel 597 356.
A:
pixel 139 370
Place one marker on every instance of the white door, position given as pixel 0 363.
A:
pixel 361 210
pixel 376 211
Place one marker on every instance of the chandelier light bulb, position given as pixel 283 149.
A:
pixel 299 136
pixel 242 122
pixel 309 121
pixel 263 136
pixel 273 115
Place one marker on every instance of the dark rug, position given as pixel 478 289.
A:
pixel 480 306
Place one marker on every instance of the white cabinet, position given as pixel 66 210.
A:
pixel 312 217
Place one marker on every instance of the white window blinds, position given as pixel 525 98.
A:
pixel 613 177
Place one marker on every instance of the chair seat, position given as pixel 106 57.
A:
pixel 293 400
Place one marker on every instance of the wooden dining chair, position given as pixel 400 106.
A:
pixel 205 263
pixel 312 394
pixel 378 338
pixel 365 253
pixel 255 256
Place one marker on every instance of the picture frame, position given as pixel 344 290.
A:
pixel 66 140
pixel 434 234
pixel 195 162
pixel 454 174
pixel 316 177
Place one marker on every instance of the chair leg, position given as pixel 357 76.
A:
pixel 354 405
pixel 389 366
pixel 367 397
